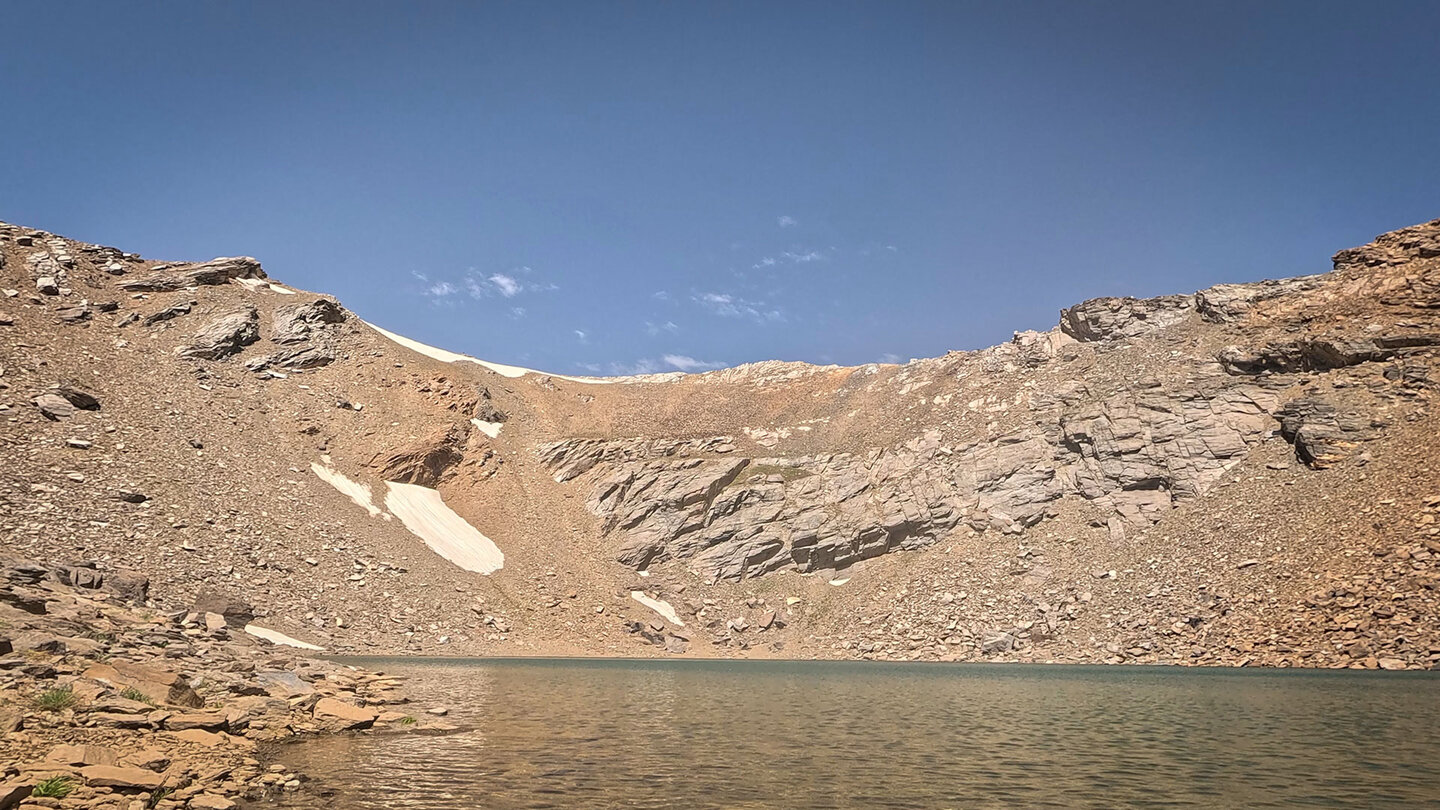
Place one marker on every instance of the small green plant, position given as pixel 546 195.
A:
pixel 407 720
pixel 156 796
pixel 56 787
pixel 131 693
pixel 54 700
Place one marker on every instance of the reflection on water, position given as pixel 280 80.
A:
pixel 687 734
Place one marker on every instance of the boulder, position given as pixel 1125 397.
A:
pixel 241 712
pixel 236 611
pixel 335 715
pixel 1322 435
pixel 299 323
pixel 159 685
pixel 168 313
pixel 54 407
pixel 225 336
pixel 122 777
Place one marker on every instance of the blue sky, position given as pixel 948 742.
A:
pixel 611 187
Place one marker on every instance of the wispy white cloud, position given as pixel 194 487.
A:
pixel 441 289
pixel 593 368
pixel 890 357
pixel 653 329
pixel 805 257
pixel 660 295
pixel 689 364
pixel 517 312
pixel 580 335
pixel 507 285
pixel 731 306
pixel 480 286
pixel 476 287
pixel 787 222
pixel 797 256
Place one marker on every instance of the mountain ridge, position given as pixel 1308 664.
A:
pixel 1014 502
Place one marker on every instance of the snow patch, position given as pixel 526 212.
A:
pixel 660 606
pixel 425 514
pixel 445 356
pixel 277 637
pixel 258 284
pixel 355 491
pixel 491 429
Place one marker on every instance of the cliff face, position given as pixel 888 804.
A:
pixel 1241 473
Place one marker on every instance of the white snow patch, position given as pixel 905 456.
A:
pixel 355 491
pixel 277 637
pixel 425 514
pixel 491 429
pixel 499 368
pixel 660 606
pixel 258 284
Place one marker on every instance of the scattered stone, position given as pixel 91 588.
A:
pixel 121 777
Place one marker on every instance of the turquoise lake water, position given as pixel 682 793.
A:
pixel 701 734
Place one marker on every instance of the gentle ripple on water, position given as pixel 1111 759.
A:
pixel 819 735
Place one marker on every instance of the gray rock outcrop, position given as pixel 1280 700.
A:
pixel 215 271
pixel 225 336
pixel 1132 455
pixel 1119 318
pixel 306 334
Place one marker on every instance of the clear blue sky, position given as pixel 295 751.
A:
pixel 596 186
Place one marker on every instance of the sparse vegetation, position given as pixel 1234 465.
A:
pixel 156 796
pixel 131 693
pixel 56 787
pixel 54 700
pixel 407 720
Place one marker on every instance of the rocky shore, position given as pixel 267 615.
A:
pixel 108 703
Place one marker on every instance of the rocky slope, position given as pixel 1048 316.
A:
pixel 108 705
pixel 1241 475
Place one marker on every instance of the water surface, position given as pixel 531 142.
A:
pixel 694 734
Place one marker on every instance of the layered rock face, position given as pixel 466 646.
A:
pixel 1132 451
pixel 1133 455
